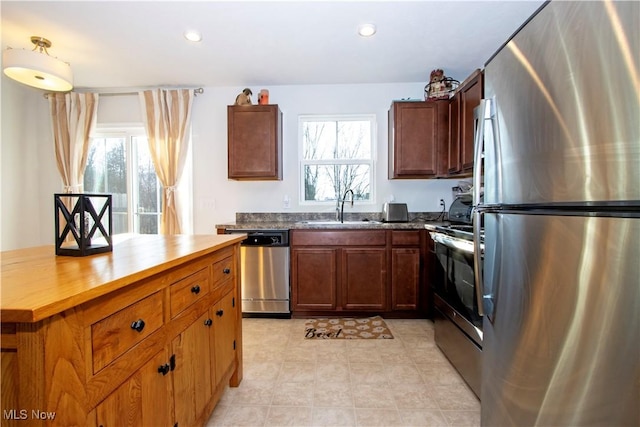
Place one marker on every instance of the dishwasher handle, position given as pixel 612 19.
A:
pixel 271 238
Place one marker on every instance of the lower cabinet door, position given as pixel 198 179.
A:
pixel 224 331
pixel 192 374
pixel 314 279
pixel 143 400
pixel 364 279
pixel 405 278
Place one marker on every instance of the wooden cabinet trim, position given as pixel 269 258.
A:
pixel 405 237
pixel 338 238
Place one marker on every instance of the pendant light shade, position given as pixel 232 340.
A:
pixel 36 68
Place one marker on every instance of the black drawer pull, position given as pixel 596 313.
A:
pixel 226 271
pixel 196 289
pixel 208 322
pixel 138 325
pixel 219 313
pixel 164 369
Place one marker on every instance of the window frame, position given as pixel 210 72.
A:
pixel 371 161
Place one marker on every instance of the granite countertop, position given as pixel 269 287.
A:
pixel 303 220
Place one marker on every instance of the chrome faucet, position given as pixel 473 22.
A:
pixel 344 197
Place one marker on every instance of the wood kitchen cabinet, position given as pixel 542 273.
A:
pixel 406 269
pixel 338 271
pixel 145 399
pixel 363 279
pixel 224 315
pixel 122 339
pixel 314 278
pixel 460 156
pixel 351 272
pixel 417 133
pixel 192 376
pixel 254 142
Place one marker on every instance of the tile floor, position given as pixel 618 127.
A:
pixel 292 381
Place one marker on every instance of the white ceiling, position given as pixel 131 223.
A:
pixel 125 44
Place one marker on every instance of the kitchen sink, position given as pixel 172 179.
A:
pixel 338 223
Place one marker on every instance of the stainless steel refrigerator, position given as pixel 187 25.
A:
pixel 559 138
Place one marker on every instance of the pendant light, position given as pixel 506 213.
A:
pixel 36 68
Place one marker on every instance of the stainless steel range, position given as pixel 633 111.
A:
pixel 458 323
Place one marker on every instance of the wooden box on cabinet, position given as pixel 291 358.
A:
pixel 417 131
pixel 254 142
pixel 460 157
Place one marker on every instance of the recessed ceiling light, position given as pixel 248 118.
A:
pixel 367 30
pixel 193 36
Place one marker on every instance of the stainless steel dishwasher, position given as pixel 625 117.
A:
pixel 264 273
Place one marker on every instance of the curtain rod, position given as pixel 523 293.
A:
pixel 195 92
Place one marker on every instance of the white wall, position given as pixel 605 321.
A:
pixel 217 199
pixel 29 174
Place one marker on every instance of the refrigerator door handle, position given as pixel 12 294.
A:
pixel 479 115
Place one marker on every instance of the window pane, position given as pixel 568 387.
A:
pixel 329 182
pixel 148 224
pixel 106 172
pixel 319 140
pixel 354 140
pixel 340 140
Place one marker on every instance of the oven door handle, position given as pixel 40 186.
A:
pixel 452 242
pixel 477 260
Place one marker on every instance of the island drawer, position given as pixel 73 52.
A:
pixel 223 270
pixel 115 334
pixel 188 290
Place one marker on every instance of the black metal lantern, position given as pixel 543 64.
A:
pixel 83 224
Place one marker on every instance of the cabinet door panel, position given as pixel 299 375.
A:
pixel 470 97
pixel 224 315
pixel 313 277
pixel 364 279
pixel 254 142
pixel 405 279
pixel 453 159
pixel 417 132
pixel 192 374
pixel 145 399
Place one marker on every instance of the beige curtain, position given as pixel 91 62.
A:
pixel 73 116
pixel 167 115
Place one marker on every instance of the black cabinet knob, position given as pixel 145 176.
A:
pixel 196 289
pixel 138 325
pixel 219 313
pixel 164 369
pixel 226 271
pixel 208 322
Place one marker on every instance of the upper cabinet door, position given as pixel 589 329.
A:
pixel 254 142
pixel 461 126
pixel 471 94
pixel 417 131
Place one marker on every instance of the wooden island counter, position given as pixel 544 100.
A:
pixel 147 335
